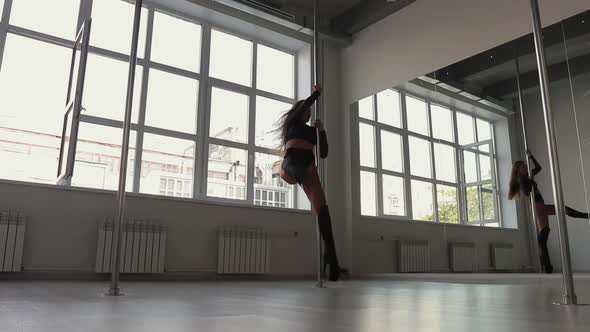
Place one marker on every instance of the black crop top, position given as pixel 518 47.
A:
pixel 305 132
pixel 528 185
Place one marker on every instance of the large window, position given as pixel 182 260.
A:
pixel 203 126
pixel 437 166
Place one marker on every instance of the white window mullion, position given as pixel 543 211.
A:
pixel 84 12
pixel 203 116
pixel 406 156
pixel 143 102
pixel 4 27
pixel 251 129
pixel 461 197
pixel 432 164
pixel 495 177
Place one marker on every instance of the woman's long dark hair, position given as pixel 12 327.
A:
pixel 516 191
pixel 288 121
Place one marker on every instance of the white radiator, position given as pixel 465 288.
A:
pixel 502 256
pixel 143 247
pixel 413 256
pixel 243 251
pixel 463 256
pixel 12 240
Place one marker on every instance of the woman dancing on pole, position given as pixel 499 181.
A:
pixel 521 186
pixel 298 140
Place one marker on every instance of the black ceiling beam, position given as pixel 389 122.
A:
pixel 366 13
pixel 556 72
pixel 575 26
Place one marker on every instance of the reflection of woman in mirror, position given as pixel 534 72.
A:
pixel 522 186
pixel 298 140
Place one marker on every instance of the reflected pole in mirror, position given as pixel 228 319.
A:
pixel 571 81
pixel 114 289
pixel 318 115
pixel 570 296
pixel 533 225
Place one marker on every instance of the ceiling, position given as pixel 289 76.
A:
pixel 328 8
pixel 493 73
pixel 337 17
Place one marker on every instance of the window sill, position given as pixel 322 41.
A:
pixel 407 221
pixel 202 200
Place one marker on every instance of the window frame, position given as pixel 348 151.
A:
pixel 205 84
pixel 406 175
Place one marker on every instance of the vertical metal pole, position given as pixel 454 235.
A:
pixel 571 80
pixel 318 115
pixel 535 244
pixel 115 290
pixel 570 296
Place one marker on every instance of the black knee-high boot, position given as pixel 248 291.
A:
pixel 543 237
pixel 575 213
pixel 325 225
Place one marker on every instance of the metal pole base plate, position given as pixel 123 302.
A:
pixel 569 304
pixel 566 300
pixel 320 285
pixel 114 292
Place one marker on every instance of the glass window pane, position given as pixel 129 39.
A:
pixel 420 162
pixel 465 129
pixel 470 167
pixel 172 102
pixel 442 123
pixel 368 194
pixel 472 196
pixel 266 177
pixel 488 200
pixel 483 130
pixel 225 64
pixel 166 158
pixel 1 7
pixel 367 108
pixel 229 115
pixel 485 167
pixel 444 162
pixel 391 152
pixel 448 209
pixel 57 17
pixel 98 157
pixel 112 26
pixel 227 170
pixel 105 88
pixel 422 207
pixel 494 225
pixel 388 108
pixel 417 113
pixel 394 203
pixel 32 122
pixel 367 145
pixel 268 113
pixel 275 71
pixel 176 42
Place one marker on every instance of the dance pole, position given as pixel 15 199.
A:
pixel 570 296
pixel 115 290
pixel 318 115
pixel 535 245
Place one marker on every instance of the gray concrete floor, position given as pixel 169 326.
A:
pixel 387 303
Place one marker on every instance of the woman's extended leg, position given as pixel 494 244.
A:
pixel 568 210
pixel 315 193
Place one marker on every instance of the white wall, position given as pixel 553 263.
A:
pixel 569 161
pixel 431 34
pixel 62 233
